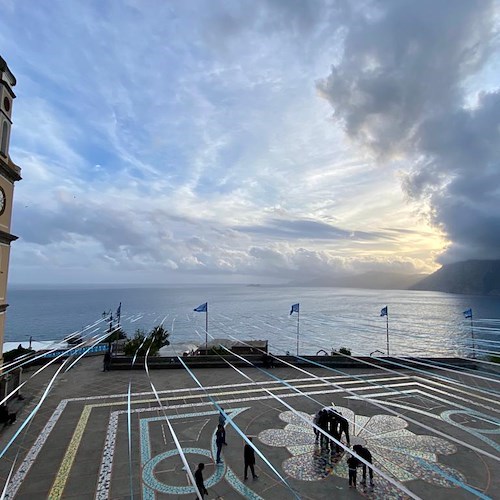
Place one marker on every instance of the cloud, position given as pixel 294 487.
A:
pixel 401 91
pixel 216 156
pixel 308 229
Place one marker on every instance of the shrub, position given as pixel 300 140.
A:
pixel 345 350
pixel 154 341
pixel 16 353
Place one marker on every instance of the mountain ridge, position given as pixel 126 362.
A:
pixel 473 277
pixel 377 280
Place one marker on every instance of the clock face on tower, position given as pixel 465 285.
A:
pixel 2 200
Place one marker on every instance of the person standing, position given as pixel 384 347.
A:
pixel 220 439
pixel 265 360
pixel 352 464
pixel 249 456
pixel 198 477
pixel 222 418
pixel 365 454
pixel 271 360
pixel 106 361
pixel 343 427
pixel 316 423
pixel 333 430
pixel 323 425
pixel 222 421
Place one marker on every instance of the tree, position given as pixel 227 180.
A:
pixel 154 341
pixel 160 336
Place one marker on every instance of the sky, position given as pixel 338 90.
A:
pixel 253 141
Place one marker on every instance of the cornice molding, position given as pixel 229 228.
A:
pixel 7 237
pixel 7 171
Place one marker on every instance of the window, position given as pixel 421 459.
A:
pixel 3 148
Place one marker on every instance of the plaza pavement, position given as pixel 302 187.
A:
pixel 77 444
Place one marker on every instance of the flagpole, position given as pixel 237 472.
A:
pixel 110 329
pixel 472 334
pixel 119 315
pixel 206 330
pixel 387 329
pixel 298 318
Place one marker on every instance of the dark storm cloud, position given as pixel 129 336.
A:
pixel 400 90
pixel 308 229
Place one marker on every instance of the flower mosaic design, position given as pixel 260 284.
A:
pixel 398 452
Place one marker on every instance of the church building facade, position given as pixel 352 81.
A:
pixel 9 174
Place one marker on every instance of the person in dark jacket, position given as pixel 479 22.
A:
pixel 271 360
pixel 365 454
pixel 222 421
pixel 222 418
pixel 315 422
pixel 343 427
pixel 220 439
pixel 352 464
pixel 323 425
pixel 333 430
pixel 265 360
pixel 198 477
pixel 249 456
pixel 106 362
pixel 6 417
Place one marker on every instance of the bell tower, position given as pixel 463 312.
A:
pixel 9 173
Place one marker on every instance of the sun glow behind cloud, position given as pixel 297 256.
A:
pixel 182 141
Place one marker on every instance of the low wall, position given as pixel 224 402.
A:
pixel 157 362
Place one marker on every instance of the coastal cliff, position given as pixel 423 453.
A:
pixel 475 277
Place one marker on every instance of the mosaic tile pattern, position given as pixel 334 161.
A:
pixel 104 475
pixel 423 449
pixel 69 457
pixel 240 487
pixel 32 455
pixel 151 484
pixel 405 456
pixel 482 434
pixel 104 480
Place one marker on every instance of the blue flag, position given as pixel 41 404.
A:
pixel 295 308
pixel 383 311
pixel 468 313
pixel 202 309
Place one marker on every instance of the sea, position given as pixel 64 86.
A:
pixel 418 323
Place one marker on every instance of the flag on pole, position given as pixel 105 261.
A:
pixel 119 312
pixel 383 311
pixel 468 313
pixel 202 308
pixel 295 308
